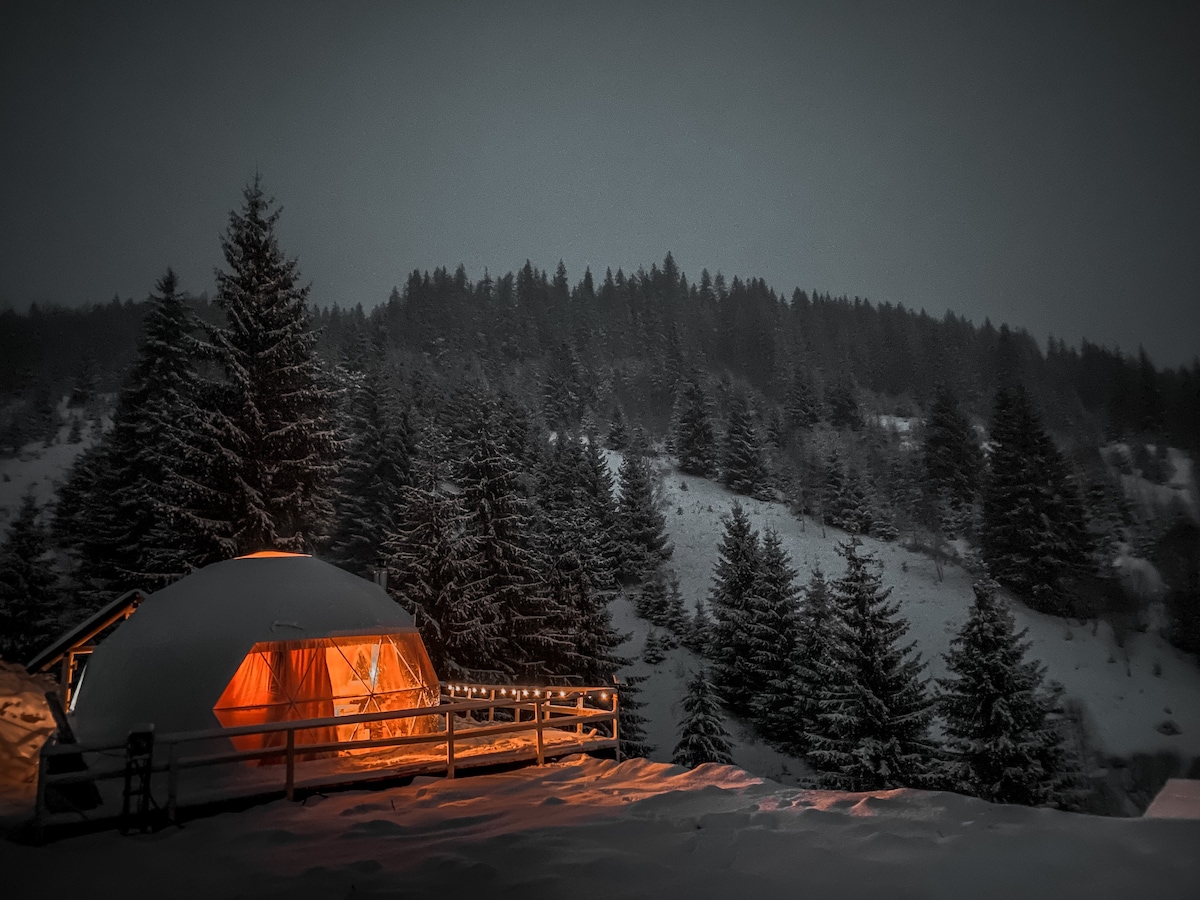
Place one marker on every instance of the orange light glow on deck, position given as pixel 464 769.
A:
pixel 271 554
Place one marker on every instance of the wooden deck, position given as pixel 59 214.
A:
pixel 477 726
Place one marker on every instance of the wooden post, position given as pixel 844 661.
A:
pixel 492 708
pixel 291 764
pixel 449 745
pixel 579 712
pixel 64 679
pixel 537 718
pixel 616 735
pixel 172 782
pixel 39 805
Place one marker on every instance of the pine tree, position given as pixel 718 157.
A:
pixel 274 446
pixel 734 598
pixel 427 558
pixel 811 659
pixel 1002 737
pixel 137 530
pixel 870 728
pixel 953 462
pixel 842 402
pixel 742 468
pixel 618 434
pixel 641 527
pixel 28 595
pixel 597 485
pixel 504 571
pixel 803 406
pixel 694 442
pixel 369 487
pixel 1033 535
pixel 774 631
pixel 631 724
pixel 702 734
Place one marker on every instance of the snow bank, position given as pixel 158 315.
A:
pixel 593 828
pixel 25 723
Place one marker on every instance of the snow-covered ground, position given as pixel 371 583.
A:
pixel 589 828
pixel 42 467
pixel 1127 692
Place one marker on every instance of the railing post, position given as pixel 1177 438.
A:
pixel 172 782
pixel 39 806
pixel 449 744
pixel 492 708
pixel 579 712
pixel 291 764
pixel 537 718
pixel 615 718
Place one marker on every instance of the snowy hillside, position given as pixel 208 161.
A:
pixel 42 467
pixel 1126 692
pixel 588 828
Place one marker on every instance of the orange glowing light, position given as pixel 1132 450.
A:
pixel 271 554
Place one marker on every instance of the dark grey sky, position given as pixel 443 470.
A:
pixel 1038 164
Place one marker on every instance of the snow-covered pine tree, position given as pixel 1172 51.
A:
pixel 698 637
pixel 702 734
pixel 952 461
pixel 843 500
pixel 274 444
pixel 841 400
pixel 135 528
pixel 641 528
pixel 774 631
pixel 29 604
pixel 631 724
pixel 694 442
pixel 597 482
pixel 814 638
pixel 1003 739
pixel 742 468
pixel 871 725
pixel 1032 534
pixel 369 486
pixel 504 570
pixel 803 405
pixel 734 598
pixel 427 558
pixel 618 433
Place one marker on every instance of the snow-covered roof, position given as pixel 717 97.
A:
pixel 169 662
pixel 1179 799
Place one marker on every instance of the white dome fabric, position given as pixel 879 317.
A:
pixel 170 661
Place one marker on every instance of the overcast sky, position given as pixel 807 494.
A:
pixel 1037 164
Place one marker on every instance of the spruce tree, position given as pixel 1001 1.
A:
pixel 369 487
pixel 774 632
pixel 641 528
pixel 1003 741
pixel 1032 534
pixel 695 444
pixel 742 468
pixel 702 734
pixel 428 559
pixel 631 724
pixel 273 442
pixel 734 598
pixel 812 656
pixel 28 596
pixel 870 727
pixel 504 570
pixel 953 462
pixel 134 498
pixel 803 406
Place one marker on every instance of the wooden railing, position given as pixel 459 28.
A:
pixel 521 710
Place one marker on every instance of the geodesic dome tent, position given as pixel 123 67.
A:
pixel 265 638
